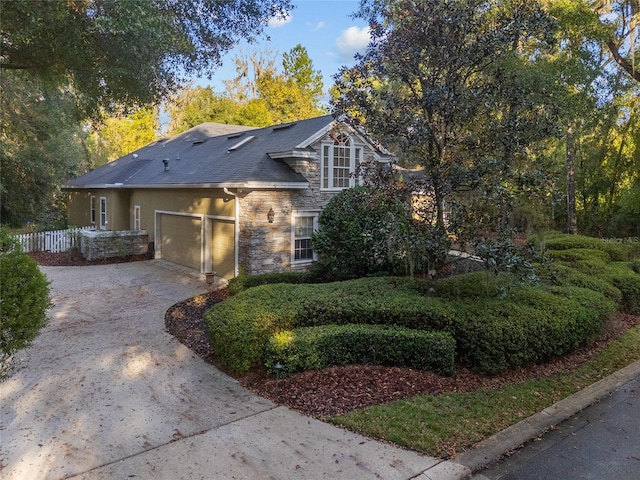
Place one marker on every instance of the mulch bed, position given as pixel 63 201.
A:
pixel 339 390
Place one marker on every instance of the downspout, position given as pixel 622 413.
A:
pixel 236 230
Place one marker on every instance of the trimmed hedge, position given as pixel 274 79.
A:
pixel 239 327
pixel 533 325
pixel 625 278
pixel 243 282
pixel 313 348
pixel 492 334
pixel 617 251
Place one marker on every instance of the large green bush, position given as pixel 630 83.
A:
pixel 532 324
pixel 351 241
pixel 239 327
pixel 24 297
pixel 313 348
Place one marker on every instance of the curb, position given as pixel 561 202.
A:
pixel 491 449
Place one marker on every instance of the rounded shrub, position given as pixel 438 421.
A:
pixel 351 241
pixel 24 297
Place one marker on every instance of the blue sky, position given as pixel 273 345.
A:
pixel 323 27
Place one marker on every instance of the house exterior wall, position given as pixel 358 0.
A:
pixel 263 247
pixel 79 208
pixel 195 201
pixel 267 247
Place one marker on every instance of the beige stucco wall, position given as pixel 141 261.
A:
pixel 198 201
pixel 79 208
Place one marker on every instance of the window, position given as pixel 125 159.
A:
pixel 136 217
pixel 103 213
pixel 339 162
pixel 93 209
pixel 303 226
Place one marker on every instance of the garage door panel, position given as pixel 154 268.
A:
pixel 182 240
pixel 222 248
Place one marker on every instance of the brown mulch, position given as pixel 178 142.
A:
pixel 75 259
pixel 339 390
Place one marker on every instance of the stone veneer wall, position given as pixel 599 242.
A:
pixel 266 247
pixel 106 244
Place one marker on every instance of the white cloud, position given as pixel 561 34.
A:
pixel 352 40
pixel 319 26
pixel 277 22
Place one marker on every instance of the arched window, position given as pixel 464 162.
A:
pixel 339 162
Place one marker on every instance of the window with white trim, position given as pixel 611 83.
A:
pixel 103 213
pixel 339 162
pixel 136 217
pixel 93 209
pixel 302 227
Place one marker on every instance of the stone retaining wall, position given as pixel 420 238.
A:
pixel 97 244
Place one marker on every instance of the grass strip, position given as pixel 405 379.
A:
pixel 445 425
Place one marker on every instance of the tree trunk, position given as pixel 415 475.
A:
pixel 572 222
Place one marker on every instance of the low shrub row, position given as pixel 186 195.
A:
pixel 313 348
pixel 616 251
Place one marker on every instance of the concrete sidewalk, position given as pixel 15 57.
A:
pixel 106 393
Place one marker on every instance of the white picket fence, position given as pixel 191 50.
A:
pixel 55 241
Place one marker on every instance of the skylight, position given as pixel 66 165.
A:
pixel 242 142
pixel 283 127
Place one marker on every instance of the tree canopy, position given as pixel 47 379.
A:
pixel 126 51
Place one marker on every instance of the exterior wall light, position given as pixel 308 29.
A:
pixel 271 215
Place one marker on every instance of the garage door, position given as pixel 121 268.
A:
pixel 181 240
pixel 222 248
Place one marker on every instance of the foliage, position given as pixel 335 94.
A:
pixel 314 348
pixel 41 146
pixel 468 115
pixel 373 230
pixel 114 136
pixel 129 51
pixel 258 96
pixel 616 251
pixel 244 281
pixel 350 241
pixel 531 325
pixel 24 298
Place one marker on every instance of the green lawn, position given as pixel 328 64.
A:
pixel 443 425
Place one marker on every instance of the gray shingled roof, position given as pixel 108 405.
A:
pixel 201 156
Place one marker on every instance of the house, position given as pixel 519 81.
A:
pixel 224 199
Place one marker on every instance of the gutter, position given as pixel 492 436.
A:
pixel 236 231
pixel 248 185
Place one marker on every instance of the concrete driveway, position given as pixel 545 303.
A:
pixel 105 392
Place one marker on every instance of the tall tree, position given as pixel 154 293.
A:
pixel 299 67
pixel 41 146
pixel 455 86
pixel 116 135
pixel 126 51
